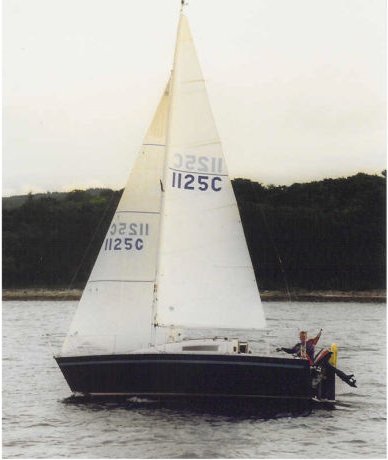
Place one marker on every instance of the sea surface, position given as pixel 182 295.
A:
pixel 38 423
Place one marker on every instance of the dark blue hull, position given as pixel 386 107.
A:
pixel 242 380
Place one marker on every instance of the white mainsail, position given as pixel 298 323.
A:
pixel 115 311
pixel 175 254
pixel 205 275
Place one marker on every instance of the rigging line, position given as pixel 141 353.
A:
pixel 276 252
pixel 108 206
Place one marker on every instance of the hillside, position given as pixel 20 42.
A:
pixel 11 202
pixel 326 235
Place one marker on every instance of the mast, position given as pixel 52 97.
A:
pixel 154 322
pixel 183 4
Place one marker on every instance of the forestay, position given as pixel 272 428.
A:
pixel 205 276
pixel 115 311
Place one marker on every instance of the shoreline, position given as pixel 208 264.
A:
pixel 372 296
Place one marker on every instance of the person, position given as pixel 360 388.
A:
pixel 305 349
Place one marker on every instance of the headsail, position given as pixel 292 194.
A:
pixel 115 311
pixel 205 276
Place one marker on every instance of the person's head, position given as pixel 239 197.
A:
pixel 303 336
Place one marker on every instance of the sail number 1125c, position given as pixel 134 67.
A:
pixel 118 244
pixel 196 182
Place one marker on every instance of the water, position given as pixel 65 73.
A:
pixel 38 424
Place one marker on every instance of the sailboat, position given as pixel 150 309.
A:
pixel 174 260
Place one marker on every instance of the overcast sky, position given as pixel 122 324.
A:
pixel 297 86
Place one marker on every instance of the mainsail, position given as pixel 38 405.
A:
pixel 205 275
pixel 175 254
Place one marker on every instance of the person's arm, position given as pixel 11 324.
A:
pixel 315 339
pixel 291 351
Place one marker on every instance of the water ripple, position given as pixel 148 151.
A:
pixel 40 422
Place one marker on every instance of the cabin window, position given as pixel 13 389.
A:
pixel 200 348
pixel 243 347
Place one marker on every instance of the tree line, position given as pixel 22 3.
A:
pixel 327 234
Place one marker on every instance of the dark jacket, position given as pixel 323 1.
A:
pixel 305 350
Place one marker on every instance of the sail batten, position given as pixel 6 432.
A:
pixel 121 281
pixel 137 212
pixel 190 171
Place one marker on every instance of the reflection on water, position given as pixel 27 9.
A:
pixel 188 408
pixel 40 422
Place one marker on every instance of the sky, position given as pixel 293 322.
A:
pixel 297 87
